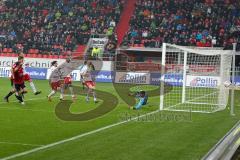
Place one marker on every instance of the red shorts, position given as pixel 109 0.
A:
pixel 55 85
pixel 26 77
pixel 90 84
pixel 67 80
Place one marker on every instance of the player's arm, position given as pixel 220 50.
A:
pixel 16 68
pixel 84 73
pixel 12 73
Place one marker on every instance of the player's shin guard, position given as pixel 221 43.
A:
pixel 88 92
pixel 71 91
pixel 33 87
pixel 94 96
pixel 62 93
pixel 52 93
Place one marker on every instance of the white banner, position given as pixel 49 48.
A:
pixel 31 62
pixel 5 71
pixel 46 63
pixel 100 42
pixel 202 81
pixel 132 77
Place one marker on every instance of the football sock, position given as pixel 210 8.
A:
pixel 33 87
pixel 71 91
pixel 9 94
pixel 52 93
pixel 19 98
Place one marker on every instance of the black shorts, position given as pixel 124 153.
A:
pixel 19 87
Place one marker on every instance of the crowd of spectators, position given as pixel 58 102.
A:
pixel 55 26
pixel 203 23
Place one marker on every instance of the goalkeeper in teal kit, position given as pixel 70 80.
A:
pixel 142 98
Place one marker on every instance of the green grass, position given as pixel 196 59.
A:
pixel 36 124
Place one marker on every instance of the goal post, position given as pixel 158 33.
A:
pixel 199 74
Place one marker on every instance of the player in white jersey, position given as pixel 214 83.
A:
pixel 67 84
pixel 82 69
pixel 55 83
pixel 88 81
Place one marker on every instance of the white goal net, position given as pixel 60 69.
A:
pixel 199 76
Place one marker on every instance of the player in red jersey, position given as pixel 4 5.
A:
pixel 18 79
pixel 26 77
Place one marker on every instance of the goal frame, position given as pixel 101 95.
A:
pixel 183 98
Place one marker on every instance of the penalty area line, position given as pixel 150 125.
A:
pixel 73 138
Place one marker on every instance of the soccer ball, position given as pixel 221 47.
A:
pixel 227 83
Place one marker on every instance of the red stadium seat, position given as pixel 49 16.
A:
pixel 141 45
pixel 30 55
pixel 30 51
pixel 55 56
pixel 35 51
pixel 50 56
pixel 9 50
pixel 12 54
pixel 15 55
pixel 5 50
pixel 45 56
pixel 34 55
pixel 135 45
pixel 39 55
pixel 7 55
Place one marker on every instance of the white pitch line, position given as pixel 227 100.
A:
pixel 201 97
pixel 25 109
pixel 31 99
pixel 22 144
pixel 73 138
pixel 22 107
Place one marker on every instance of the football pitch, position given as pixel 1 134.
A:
pixel 34 131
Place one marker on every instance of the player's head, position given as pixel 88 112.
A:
pixel 68 59
pixel 85 62
pixel 54 63
pixel 142 93
pixel 20 59
pixel 21 55
pixel 89 63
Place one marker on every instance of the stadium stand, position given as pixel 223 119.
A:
pixel 60 27
pixel 202 23
pixel 56 26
